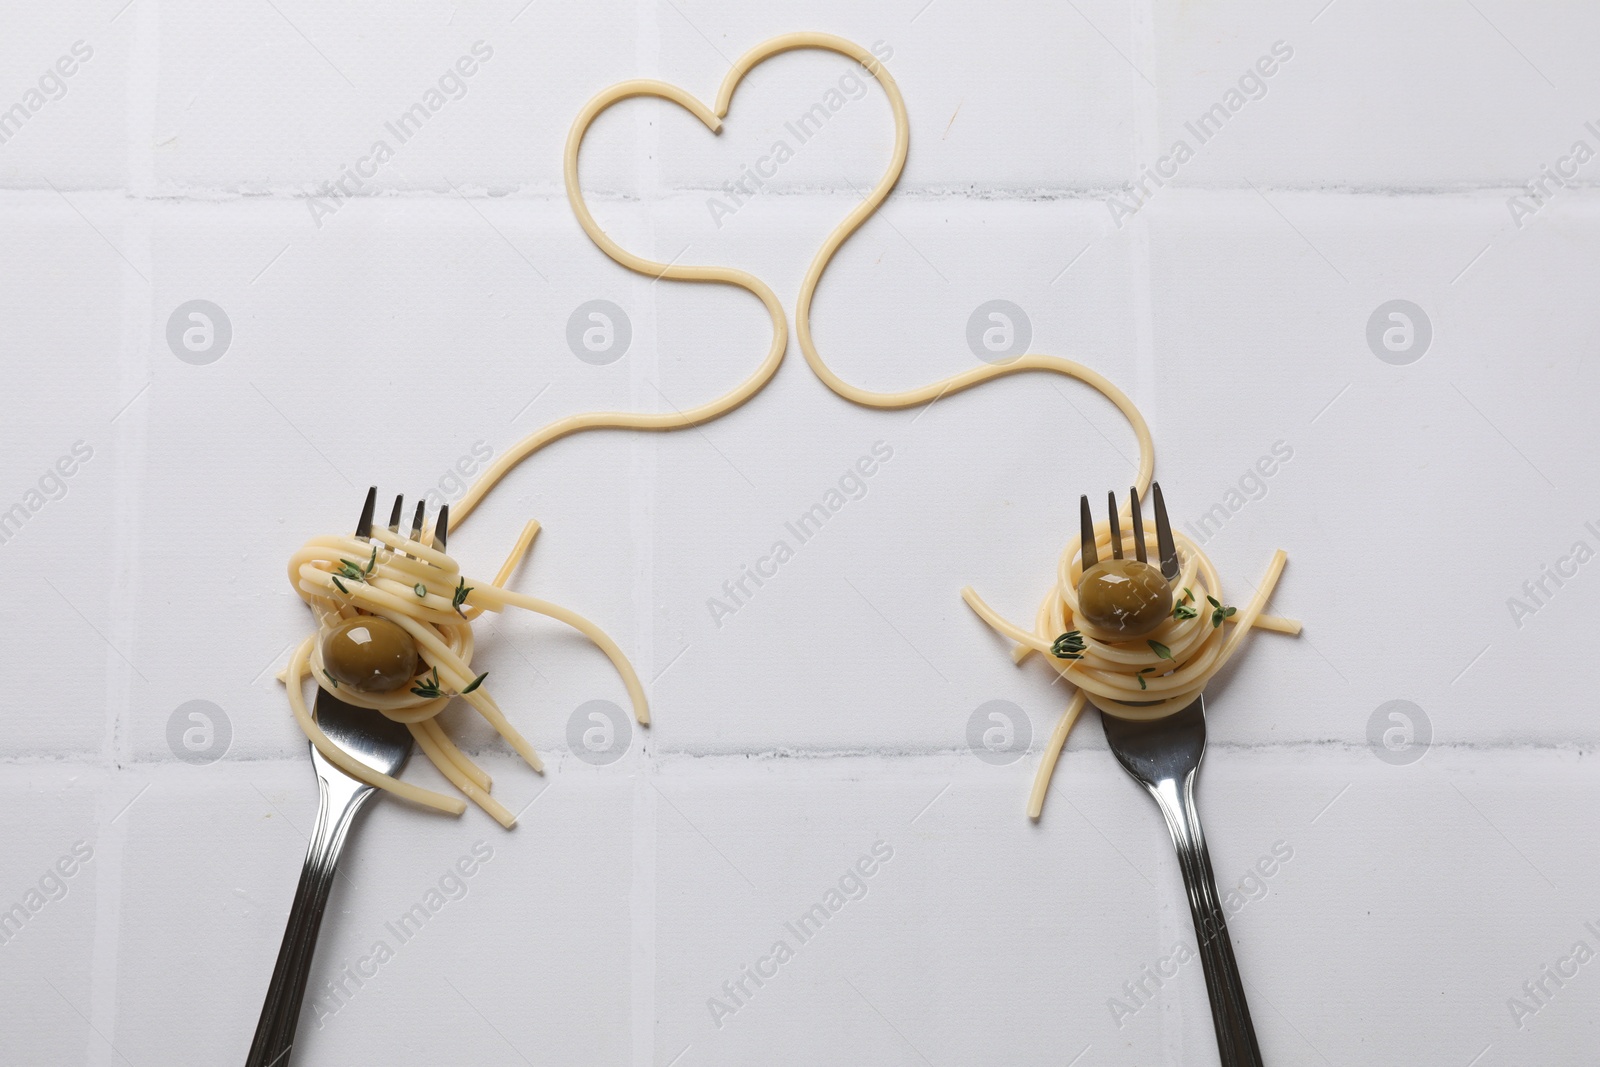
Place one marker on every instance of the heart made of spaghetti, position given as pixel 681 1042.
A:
pixel 712 118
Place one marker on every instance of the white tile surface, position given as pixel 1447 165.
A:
pixel 384 341
pixel 70 67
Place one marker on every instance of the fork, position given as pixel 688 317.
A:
pixel 380 743
pixel 1163 755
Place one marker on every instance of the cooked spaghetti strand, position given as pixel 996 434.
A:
pixel 421 590
pixel 1129 678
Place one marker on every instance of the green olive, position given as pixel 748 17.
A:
pixel 370 653
pixel 1124 596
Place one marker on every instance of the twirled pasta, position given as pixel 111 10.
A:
pixel 1130 677
pixel 444 637
pixel 415 586
pixel 1109 670
pixel 1106 672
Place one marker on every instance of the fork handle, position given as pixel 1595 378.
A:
pixel 280 1014
pixel 1230 1014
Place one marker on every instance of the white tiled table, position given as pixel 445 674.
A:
pixel 828 715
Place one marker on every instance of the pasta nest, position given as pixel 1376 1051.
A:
pixel 1146 677
pixel 1158 673
pixel 421 590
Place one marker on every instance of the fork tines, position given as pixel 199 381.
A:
pixel 1091 554
pixel 364 524
pixel 441 522
pixel 416 520
pixel 1138 524
pixel 1116 530
pixel 1166 549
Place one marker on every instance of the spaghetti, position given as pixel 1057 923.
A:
pixel 1154 675
pixel 422 590
pixel 1115 676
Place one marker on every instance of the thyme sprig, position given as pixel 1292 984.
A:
pixel 429 687
pixel 460 596
pixel 357 572
pixel 1219 612
pixel 1068 646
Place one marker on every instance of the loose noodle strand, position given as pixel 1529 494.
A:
pixel 441 628
pixel 1120 678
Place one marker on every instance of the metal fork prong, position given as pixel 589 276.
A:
pixel 1138 526
pixel 416 520
pixel 441 527
pixel 364 524
pixel 1091 555
pixel 1116 530
pixel 1165 546
pixel 394 515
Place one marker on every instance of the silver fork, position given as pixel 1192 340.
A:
pixel 1163 755
pixel 380 743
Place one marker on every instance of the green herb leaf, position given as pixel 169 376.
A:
pixel 331 679
pixel 1220 614
pixel 1159 649
pixel 475 683
pixel 421 590
pixel 351 571
pixel 1188 594
pixel 1068 645
pixel 460 597
pixel 428 687
pixel 1140 677
pixel 1213 602
pixel 1183 611
pixel 340 585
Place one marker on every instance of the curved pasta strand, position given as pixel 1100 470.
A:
pixel 620 420
pixel 1130 679
pixel 437 618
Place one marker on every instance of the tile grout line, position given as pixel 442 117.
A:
pixel 973 192
pixel 129 438
pixel 110 839
pixel 1146 145
pixel 95 762
pixel 643 376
